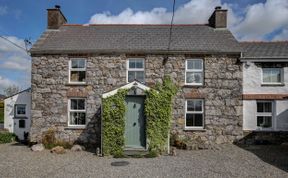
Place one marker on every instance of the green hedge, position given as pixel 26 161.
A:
pixel 6 137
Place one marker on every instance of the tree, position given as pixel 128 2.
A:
pixel 11 90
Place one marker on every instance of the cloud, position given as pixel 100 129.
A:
pixel 3 10
pixel 262 19
pixel 282 35
pixel 5 82
pixel 14 63
pixel 254 22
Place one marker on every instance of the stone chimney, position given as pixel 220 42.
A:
pixel 219 18
pixel 55 18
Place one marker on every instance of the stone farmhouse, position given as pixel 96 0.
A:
pixel 227 89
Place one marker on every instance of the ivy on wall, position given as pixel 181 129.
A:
pixel 113 120
pixel 158 110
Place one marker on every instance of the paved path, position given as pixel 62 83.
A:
pixel 229 161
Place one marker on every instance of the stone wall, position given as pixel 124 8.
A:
pixel 222 93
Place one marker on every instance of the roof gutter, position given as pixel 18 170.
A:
pixel 172 52
pixel 264 59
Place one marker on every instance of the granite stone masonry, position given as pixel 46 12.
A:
pixel 222 92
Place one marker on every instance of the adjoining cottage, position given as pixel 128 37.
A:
pixel 265 90
pixel 17 114
pixel 74 65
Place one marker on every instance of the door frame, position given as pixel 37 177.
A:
pixel 145 125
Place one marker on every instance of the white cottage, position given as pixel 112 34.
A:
pixel 17 113
pixel 265 86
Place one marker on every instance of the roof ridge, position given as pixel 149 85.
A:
pixel 87 25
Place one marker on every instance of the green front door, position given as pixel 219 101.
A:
pixel 135 123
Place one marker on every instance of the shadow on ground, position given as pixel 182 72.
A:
pixel 269 147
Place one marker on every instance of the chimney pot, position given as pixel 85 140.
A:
pixel 55 18
pixel 218 7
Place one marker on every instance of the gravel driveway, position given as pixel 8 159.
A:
pixel 229 161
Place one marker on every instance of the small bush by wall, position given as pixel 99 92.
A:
pixel 6 137
pixel 49 140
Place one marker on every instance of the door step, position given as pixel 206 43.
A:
pixel 131 152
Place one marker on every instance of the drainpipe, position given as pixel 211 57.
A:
pixel 101 127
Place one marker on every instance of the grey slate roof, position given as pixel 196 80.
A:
pixel 265 49
pixel 135 38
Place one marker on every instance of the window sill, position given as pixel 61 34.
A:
pixel 75 128
pixel 195 129
pixel 76 84
pixel 20 117
pixel 192 85
pixel 272 84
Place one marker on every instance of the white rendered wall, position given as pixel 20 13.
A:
pixel 280 115
pixel 10 122
pixel 252 79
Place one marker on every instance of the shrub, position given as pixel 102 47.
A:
pixel 6 137
pixel 49 140
pixel 152 154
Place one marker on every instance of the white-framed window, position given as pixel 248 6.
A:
pixel 77 112
pixel 264 114
pixel 136 70
pixel 194 114
pixel 77 70
pixel 194 72
pixel 272 75
pixel 20 110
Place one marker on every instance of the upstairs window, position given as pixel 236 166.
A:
pixel 194 72
pixel 20 110
pixel 77 70
pixel 135 70
pixel 264 113
pixel 194 114
pixel 77 112
pixel 272 75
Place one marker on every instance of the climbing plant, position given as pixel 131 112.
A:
pixel 158 110
pixel 113 118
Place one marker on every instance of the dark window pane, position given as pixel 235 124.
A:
pixel 194 105
pixel 190 105
pixel 264 107
pixel 268 107
pixel 77 63
pixel 21 123
pixel 131 76
pixel 260 107
pixel 74 104
pixel 81 63
pixel 198 105
pixel 77 76
pixel 20 109
pixel 264 121
pixel 198 120
pixel 77 118
pixel 139 64
pixel 132 64
pixel 140 76
pixel 194 120
pixel 81 104
pixel 189 120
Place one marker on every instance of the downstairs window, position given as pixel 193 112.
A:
pixel 264 114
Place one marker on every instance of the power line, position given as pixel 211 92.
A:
pixel 14 43
pixel 171 25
